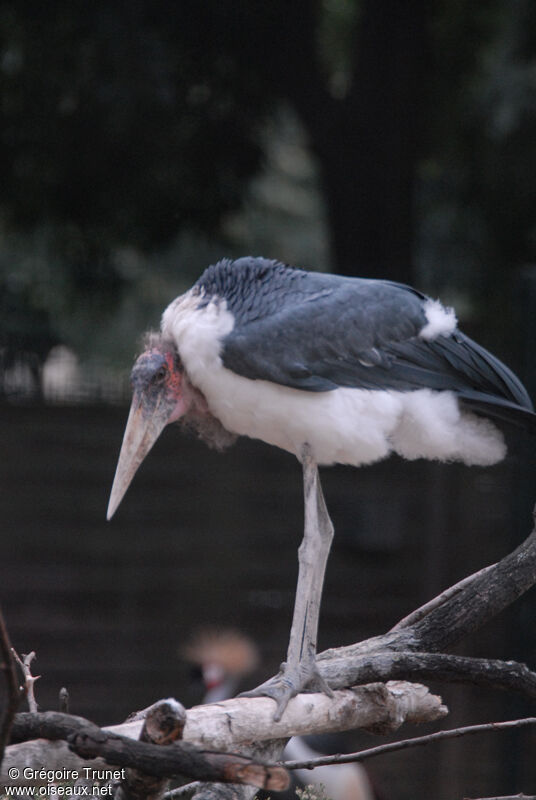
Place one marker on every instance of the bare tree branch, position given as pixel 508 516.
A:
pixel 493 673
pixel 63 700
pixel 375 706
pixel 422 611
pixel 29 679
pixel 13 689
pixel 405 743
pixel 236 723
pixel 520 796
pixel 482 598
pixel 89 741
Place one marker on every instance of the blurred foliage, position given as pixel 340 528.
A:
pixel 114 132
pixel 478 196
pixel 138 136
pixel 112 127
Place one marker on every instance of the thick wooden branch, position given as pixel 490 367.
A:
pixel 376 706
pixel 424 610
pixel 479 602
pixel 385 665
pixel 89 741
pixel 227 726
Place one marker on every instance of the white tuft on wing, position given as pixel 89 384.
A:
pixel 441 320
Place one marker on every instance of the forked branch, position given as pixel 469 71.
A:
pixel 25 664
pixel 475 601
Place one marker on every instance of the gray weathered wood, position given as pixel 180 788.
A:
pixel 232 725
pixel 89 741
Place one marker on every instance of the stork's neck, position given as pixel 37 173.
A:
pixel 202 422
pixel 195 399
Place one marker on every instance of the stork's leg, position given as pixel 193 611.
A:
pixel 312 556
pixel 300 671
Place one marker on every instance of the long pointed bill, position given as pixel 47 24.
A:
pixel 144 425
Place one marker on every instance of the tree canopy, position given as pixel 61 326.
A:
pixel 127 124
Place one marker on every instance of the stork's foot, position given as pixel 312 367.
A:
pixel 290 681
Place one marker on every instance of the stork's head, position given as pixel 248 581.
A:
pixel 161 394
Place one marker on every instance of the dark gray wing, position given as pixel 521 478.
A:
pixel 335 335
pixel 364 334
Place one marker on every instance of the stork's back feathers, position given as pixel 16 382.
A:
pixel 317 332
pixel 357 368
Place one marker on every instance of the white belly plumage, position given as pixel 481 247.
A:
pixel 351 426
pixel 346 426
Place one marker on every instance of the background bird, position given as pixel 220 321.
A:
pixel 225 657
pixel 330 368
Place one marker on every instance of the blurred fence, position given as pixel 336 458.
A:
pixel 61 379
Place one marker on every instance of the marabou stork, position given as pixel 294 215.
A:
pixel 333 369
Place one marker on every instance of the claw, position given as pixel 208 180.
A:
pixel 319 683
pixel 289 682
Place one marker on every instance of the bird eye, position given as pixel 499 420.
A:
pixel 160 374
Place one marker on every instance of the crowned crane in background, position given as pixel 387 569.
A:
pixel 330 368
pixel 225 657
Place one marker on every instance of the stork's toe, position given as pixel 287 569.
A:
pixel 290 681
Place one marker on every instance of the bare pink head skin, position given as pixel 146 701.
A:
pixel 162 394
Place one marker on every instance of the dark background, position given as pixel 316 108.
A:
pixel 138 143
